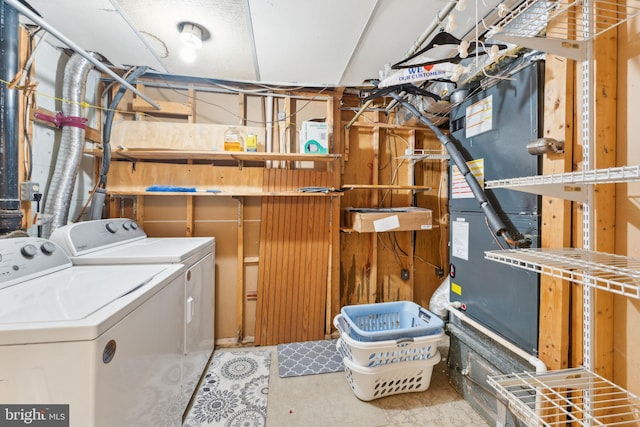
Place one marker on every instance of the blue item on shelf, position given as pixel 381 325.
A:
pixel 390 321
pixel 171 189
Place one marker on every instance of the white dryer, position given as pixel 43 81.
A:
pixel 121 241
pixel 105 340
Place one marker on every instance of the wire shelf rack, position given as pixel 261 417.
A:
pixel 614 273
pixel 593 176
pixel 567 397
pixel 568 185
pixel 422 154
pixel 561 27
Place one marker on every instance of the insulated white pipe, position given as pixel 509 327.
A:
pixel 534 361
pixel 99 65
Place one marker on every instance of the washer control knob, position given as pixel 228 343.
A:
pixel 126 226
pixel 111 228
pixel 29 251
pixel 134 226
pixel 48 248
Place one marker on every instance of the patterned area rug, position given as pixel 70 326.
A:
pixel 233 391
pixel 308 358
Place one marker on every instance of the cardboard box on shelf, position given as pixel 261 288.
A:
pixel 388 219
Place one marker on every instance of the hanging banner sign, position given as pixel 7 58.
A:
pixel 418 74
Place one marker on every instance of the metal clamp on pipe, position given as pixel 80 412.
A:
pixel 541 146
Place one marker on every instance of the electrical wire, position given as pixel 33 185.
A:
pixel 28 146
pixel 89 199
pixel 391 248
pixel 29 97
pixel 233 114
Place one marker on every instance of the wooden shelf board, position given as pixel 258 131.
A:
pixel 203 193
pixel 171 154
pixel 384 187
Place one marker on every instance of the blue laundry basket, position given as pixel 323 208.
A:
pixel 390 321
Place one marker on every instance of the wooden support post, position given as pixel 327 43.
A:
pixel 375 179
pixel 410 180
pixel 242 108
pixel 603 206
pixel 291 125
pixel 333 286
pixel 555 294
pixel 139 209
pixel 240 272
pixel 189 219
pixel 192 101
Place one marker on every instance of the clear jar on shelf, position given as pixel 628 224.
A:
pixel 233 140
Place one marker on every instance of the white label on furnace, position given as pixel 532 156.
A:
pixel 459 187
pixel 460 239
pixel 386 224
pixel 479 117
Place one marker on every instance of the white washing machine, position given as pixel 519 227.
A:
pixel 104 340
pixel 122 241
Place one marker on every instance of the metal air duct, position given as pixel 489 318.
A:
pixel 71 145
pixel 10 214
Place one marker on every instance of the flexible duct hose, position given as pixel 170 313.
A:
pixel 71 145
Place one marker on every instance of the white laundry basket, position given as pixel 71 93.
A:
pixel 385 380
pixel 377 353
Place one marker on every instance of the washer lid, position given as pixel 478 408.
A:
pixel 77 303
pixel 149 250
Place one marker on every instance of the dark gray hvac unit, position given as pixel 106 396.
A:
pixel 492 128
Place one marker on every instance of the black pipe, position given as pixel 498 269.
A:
pixel 108 121
pixel 10 214
pixel 98 198
pixel 495 222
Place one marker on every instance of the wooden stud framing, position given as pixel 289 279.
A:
pixel 555 294
pixel 240 272
pixel 603 215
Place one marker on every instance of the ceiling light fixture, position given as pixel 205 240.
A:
pixel 191 35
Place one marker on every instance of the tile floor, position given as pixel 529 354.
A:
pixel 327 400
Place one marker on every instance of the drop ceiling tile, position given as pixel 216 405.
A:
pixel 226 55
pixel 307 43
pixel 96 25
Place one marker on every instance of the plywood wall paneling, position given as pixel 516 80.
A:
pixel 125 177
pixel 225 233
pixel 172 135
pixel 162 208
pixel 292 289
pixel 431 246
pixel 355 255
